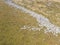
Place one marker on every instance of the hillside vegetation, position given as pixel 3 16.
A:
pixel 50 9
pixel 13 20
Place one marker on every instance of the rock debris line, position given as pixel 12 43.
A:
pixel 40 18
pixel 33 28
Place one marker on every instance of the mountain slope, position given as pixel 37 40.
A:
pixel 50 9
pixel 19 28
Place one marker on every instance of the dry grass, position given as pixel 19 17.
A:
pixel 51 12
pixel 12 19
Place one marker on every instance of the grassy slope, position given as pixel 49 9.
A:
pixel 11 20
pixel 51 12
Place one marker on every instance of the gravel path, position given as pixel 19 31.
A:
pixel 40 18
